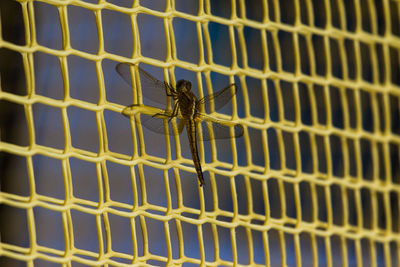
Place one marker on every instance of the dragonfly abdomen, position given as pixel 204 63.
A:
pixel 192 135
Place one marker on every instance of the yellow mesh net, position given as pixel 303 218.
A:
pixel 315 180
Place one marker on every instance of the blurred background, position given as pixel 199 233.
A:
pixel 297 83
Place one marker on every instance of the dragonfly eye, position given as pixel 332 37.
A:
pixel 180 84
pixel 188 85
pixel 183 85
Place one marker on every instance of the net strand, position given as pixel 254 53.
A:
pixel 300 236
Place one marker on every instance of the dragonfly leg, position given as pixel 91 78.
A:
pixel 170 91
pixel 161 115
pixel 174 112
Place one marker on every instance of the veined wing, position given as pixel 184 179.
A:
pixel 152 88
pixel 220 98
pixel 213 128
pixel 156 123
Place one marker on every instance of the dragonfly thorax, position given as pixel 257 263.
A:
pixel 183 86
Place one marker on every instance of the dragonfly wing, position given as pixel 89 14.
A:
pixel 124 71
pixel 156 123
pixel 220 98
pixel 218 129
pixel 181 125
pixel 152 89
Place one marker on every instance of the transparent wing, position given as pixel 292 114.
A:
pixel 220 98
pixel 211 128
pixel 156 123
pixel 152 89
pixel 217 130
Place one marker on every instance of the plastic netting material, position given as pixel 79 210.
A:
pixel 315 179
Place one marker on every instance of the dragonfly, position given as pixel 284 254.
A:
pixel 186 109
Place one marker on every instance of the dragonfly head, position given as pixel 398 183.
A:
pixel 183 86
